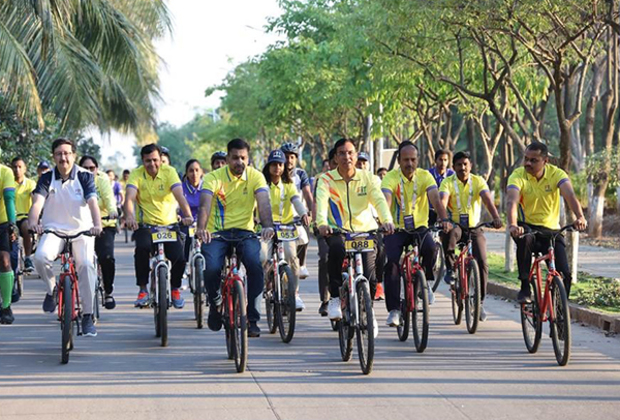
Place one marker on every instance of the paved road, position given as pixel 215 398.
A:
pixel 124 374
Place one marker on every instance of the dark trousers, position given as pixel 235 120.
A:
pixel 479 249
pixel 335 259
pixel 394 246
pixel 104 248
pixel 381 258
pixel 432 217
pixel 142 254
pixel 248 249
pixel 323 270
pixel 540 243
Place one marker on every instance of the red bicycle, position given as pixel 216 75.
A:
pixel 550 305
pixel 466 291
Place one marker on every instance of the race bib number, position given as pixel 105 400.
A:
pixel 163 235
pixel 286 233
pixel 359 243
pixel 191 231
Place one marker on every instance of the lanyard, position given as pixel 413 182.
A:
pixel 458 195
pixel 402 198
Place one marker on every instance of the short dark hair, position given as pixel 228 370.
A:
pixel 342 142
pixel 126 172
pixel 238 144
pixel 150 148
pixel 538 146
pixel 17 159
pixel 460 155
pixel 407 143
pixel 332 153
pixel 87 157
pixel 62 141
pixel 382 169
pixel 110 170
pixel 442 152
pixel 190 163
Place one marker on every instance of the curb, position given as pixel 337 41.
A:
pixel 578 313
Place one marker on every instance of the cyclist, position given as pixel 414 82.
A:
pixel 123 182
pixel 165 155
pixel 192 186
pixel 8 233
pixel 462 194
pixel 363 161
pixel 69 196
pixel 381 173
pixel 302 183
pixel 117 190
pixel 104 243
pixel 157 189
pixel 23 200
pixel 440 171
pixel 533 192
pixel 283 197
pixel 218 160
pixel 229 195
pixel 344 197
pixel 408 191
pixel 42 167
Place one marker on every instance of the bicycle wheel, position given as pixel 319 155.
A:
pixel 270 304
pixel 285 306
pixel 65 299
pixel 472 300
pixel 560 322
pixel 365 328
pixel 198 285
pixel 96 313
pixel 162 303
pixel 239 328
pixel 420 314
pixel 439 268
pixel 531 322
pixel 457 302
pixel 345 339
pixel 405 315
pixel 19 273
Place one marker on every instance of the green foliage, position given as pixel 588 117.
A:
pixel 595 167
pixel 602 293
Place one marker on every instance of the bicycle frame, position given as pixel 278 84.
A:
pixel 460 266
pixel 158 260
pixel 410 264
pixel 546 309
pixel 229 281
pixel 195 255
pixel 68 269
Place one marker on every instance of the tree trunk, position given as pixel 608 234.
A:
pixel 471 144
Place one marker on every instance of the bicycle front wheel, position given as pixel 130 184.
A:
pixel 405 314
pixel 559 323
pixel 270 299
pixel 439 269
pixel 472 300
pixel 65 298
pixel 285 305
pixel 365 328
pixel 239 328
pixel 531 322
pixel 457 302
pixel 420 314
pixel 162 303
pixel 198 275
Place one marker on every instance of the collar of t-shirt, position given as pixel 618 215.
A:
pixel 72 173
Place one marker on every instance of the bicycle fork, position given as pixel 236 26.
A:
pixel 355 277
pixel 160 260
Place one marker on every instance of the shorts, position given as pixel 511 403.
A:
pixel 5 240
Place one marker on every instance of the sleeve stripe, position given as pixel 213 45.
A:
pixel 265 189
pixel 9 189
pixel 132 186
pixel 513 187
pixel 443 193
pixel 89 196
pixel 206 192
pixel 178 184
pixel 562 181
pixel 485 190
pixel 386 190
pixel 432 187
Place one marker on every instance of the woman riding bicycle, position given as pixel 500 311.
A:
pixel 192 185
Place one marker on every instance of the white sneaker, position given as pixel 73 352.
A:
pixel 303 272
pixel 375 326
pixel 333 309
pixel 299 304
pixel 431 296
pixel 393 319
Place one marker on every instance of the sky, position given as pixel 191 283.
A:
pixel 209 39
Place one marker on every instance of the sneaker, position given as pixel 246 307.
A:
pixel 449 277
pixel 431 296
pixel 49 303
pixel 299 304
pixel 88 326
pixel 28 265
pixel 214 320
pixel 379 294
pixel 109 302
pixel 393 319
pixel 6 316
pixel 333 309
pixel 143 299
pixel 323 308
pixel 185 280
pixel 177 300
pixel 524 296
pixel 483 314
pixel 375 326
pixel 303 272
pixel 253 329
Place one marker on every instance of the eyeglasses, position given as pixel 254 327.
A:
pixel 61 154
pixel 90 168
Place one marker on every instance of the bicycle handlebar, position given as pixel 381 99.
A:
pixel 64 236
pixel 528 231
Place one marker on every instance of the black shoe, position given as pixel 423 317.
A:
pixel 109 302
pixel 323 308
pixel 524 296
pixel 15 296
pixel 49 303
pixel 6 316
pixel 214 320
pixel 253 330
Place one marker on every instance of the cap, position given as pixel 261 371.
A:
pixel 276 156
pixel 43 165
pixel 363 156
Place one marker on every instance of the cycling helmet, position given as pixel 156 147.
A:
pixel 290 148
pixel 218 155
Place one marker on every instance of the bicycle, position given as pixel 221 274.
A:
pixel 414 300
pixel 99 295
pixel 466 291
pixel 196 276
pixel 280 290
pixel 356 302
pixel 439 270
pixel 550 305
pixel 160 297
pixel 234 307
pixel 68 296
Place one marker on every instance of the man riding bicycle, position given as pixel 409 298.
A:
pixel 344 197
pixel 156 188
pixel 8 232
pixel 23 200
pixel 69 197
pixel 462 194
pixel 408 191
pixel 534 192
pixel 227 202
pixel 218 160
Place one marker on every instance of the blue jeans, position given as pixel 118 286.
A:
pixel 248 250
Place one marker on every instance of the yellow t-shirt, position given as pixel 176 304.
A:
pixel 23 197
pixel 156 203
pixel 539 201
pixel 395 182
pixel 105 198
pixel 233 198
pixel 7 181
pixel 348 205
pixel 469 192
pixel 281 197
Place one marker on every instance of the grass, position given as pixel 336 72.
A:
pixel 599 293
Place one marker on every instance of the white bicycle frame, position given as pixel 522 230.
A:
pixel 195 255
pixel 158 260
